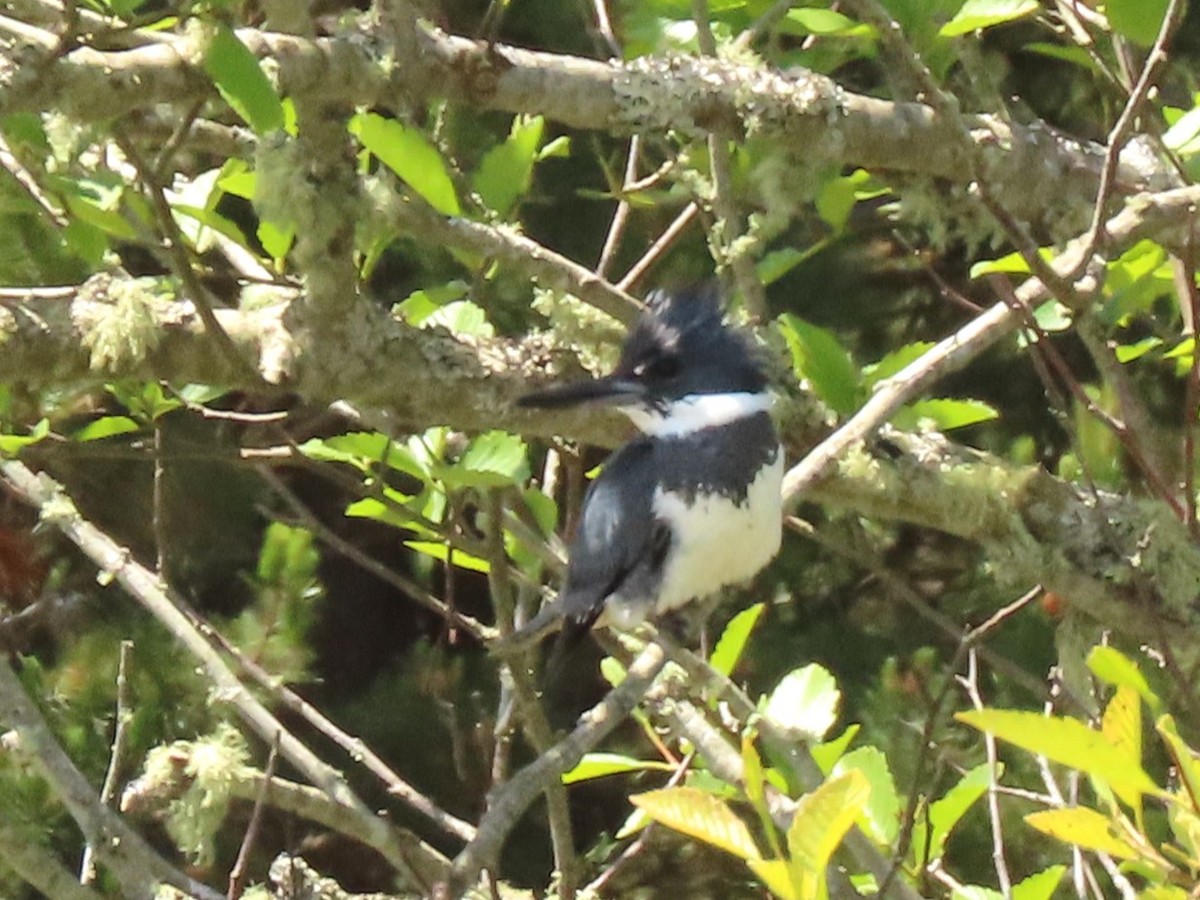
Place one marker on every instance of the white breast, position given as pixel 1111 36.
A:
pixel 717 543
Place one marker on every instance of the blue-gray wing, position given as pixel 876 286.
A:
pixel 619 543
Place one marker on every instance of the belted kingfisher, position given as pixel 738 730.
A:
pixel 690 505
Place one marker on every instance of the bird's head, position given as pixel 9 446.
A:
pixel 682 368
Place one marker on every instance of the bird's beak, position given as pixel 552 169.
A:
pixel 611 390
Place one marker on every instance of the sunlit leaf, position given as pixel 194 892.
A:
pixel 1084 828
pixel 104 427
pixel 827 754
pixel 823 816
pixel 975 15
pixel 819 357
pixel 408 153
pixel 505 172
pixel 241 81
pixel 1122 722
pixel 700 815
pixel 945 813
pixel 776 875
pixel 12 444
pixel 824 22
pixel 598 765
pixel 882 812
pixel 1111 665
pixel 1066 741
pixel 1039 886
pixel 494 459
pixel 734 638
pixel 894 362
pixel 805 703
pixel 438 550
pixel 1186 763
pixel 1129 352
pixel 948 414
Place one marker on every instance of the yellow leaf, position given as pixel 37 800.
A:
pixel 700 815
pixel 822 819
pixel 1185 760
pixel 1084 828
pixel 1122 723
pixel 774 874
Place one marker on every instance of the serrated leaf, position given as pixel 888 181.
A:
pixel 700 815
pixel 882 812
pixel 107 426
pixel 1138 20
pixel 1112 666
pixel 948 414
pixel 494 459
pixel 1122 723
pixel 805 703
pixel 819 357
pixel 975 15
pixel 1082 827
pixel 506 170
pixel 822 818
pixel 598 765
pixel 241 81
pixel 733 639
pixel 827 754
pixel 408 153
pixel 1066 741
pixel 1039 886
pixel 438 550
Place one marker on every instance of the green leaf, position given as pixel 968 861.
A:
pixel 598 765
pixel 822 819
pixel 1184 758
pixel 276 237
pixel 819 357
pixel 1053 316
pixel 107 426
pixel 882 813
pixel 439 550
pixel 1138 20
pixel 974 892
pixel 1112 666
pixel 947 414
pixel 12 444
pixel 1129 352
pixel 700 815
pixel 805 703
pixel 975 15
pixel 241 81
pixel 506 170
pixel 894 362
pixel 827 754
pixel 494 459
pixel 838 195
pixel 145 401
pixel 824 22
pixel 778 263
pixel 733 639
pixel 408 153
pixel 1040 886
pixel 1084 828
pixel 1066 741
pixel 945 813
pixel 420 305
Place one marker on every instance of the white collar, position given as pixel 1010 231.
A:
pixel 695 412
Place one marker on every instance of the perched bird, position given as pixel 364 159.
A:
pixel 690 505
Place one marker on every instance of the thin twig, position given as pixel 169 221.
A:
pixel 621 215
pixel 663 243
pixel 237 875
pixel 108 790
pixel 971 684
pixel 512 798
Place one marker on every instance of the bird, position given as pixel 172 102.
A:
pixel 692 503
